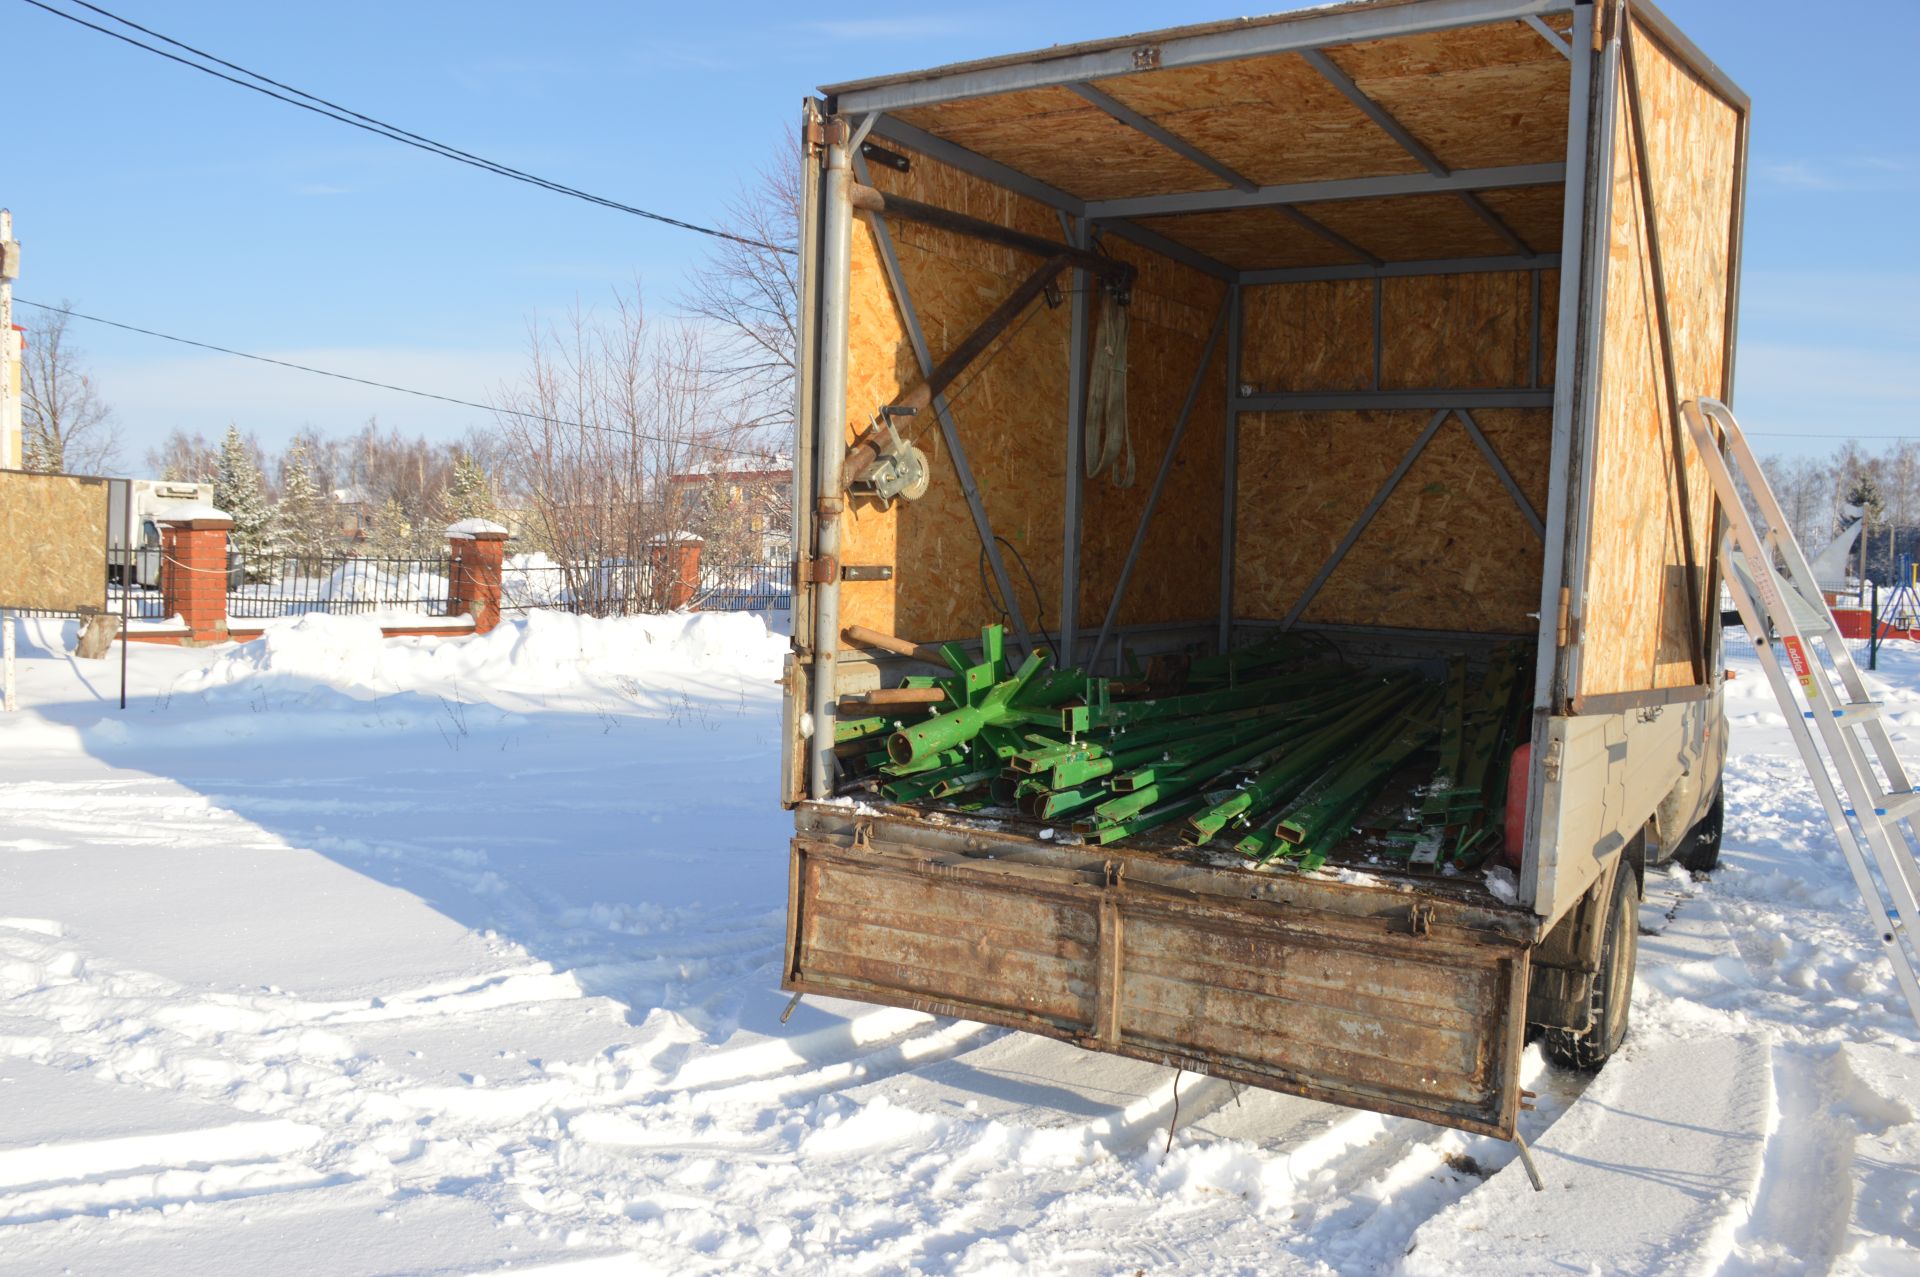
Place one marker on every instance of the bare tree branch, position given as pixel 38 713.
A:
pixel 66 426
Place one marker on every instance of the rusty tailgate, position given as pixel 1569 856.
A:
pixel 1382 1000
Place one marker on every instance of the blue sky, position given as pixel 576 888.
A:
pixel 158 196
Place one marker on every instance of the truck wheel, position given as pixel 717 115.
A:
pixel 1701 851
pixel 1612 995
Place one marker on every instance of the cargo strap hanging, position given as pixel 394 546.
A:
pixel 1109 443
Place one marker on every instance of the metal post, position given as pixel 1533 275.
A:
pixel 1230 470
pixel 11 444
pixel 1076 448
pixel 830 436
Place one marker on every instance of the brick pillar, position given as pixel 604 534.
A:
pixel 193 571
pixel 674 562
pixel 479 550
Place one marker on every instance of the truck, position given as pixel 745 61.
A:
pixel 1415 290
pixel 133 537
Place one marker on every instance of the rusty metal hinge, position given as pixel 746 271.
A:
pixel 1419 919
pixel 831 131
pixel 823 570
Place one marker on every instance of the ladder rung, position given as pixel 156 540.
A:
pixel 1897 806
pixel 1853 711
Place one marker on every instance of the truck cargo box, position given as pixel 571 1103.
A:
pixel 1415 291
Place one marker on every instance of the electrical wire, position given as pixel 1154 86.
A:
pixel 1000 605
pixel 367 123
pixel 384 385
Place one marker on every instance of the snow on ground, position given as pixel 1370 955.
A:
pixel 335 954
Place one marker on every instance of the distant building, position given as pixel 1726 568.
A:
pixel 739 502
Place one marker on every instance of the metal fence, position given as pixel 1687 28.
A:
pixel 263 588
pixel 617 587
pixel 140 602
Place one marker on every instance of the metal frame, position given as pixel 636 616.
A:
pixel 1173 142
pixel 1080 323
pixel 1190 46
pixel 1160 480
pixel 836 269
pixel 943 413
pixel 1507 481
pixel 1339 400
pixel 1401 270
pixel 1347 188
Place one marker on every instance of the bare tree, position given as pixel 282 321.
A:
pixel 66 426
pixel 750 291
pixel 186 458
pixel 612 405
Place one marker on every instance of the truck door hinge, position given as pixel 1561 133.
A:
pixel 831 131
pixel 1419 919
pixel 823 570
pixel 1554 748
pixel 1563 629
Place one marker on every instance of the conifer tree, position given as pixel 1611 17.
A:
pixel 305 515
pixel 470 493
pixel 392 536
pixel 237 489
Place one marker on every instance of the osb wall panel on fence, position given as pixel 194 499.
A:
pixel 1009 407
pixel 1438 332
pixel 1448 550
pixel 1178 575
pixel 1634 631
pixel 53 540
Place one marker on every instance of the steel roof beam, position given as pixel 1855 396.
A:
pixel 1351 188
pixel 1173 142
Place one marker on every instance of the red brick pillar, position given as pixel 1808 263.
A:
pixel 193 570
pixel 674 562
pixel 479 550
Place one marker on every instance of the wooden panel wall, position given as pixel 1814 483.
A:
pixel 1178 575
pixel 1634 633
pixel 1011 416
pixel 1449 549
pixel 1010 408
pixel 53 539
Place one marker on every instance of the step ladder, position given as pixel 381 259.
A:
pixel 1835 723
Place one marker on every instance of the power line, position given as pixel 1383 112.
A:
pixel 383 385
pixel 368 124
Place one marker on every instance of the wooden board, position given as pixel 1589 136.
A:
pixel 1448 550
pixel 1532 212
pixel 1250 238
pixel 1476 97
pixel 1634 628
pixel 1411 228
pixel 1178 575
pixel 1457 331
pixel 53 539
pixel 1308 336
pixel 1065 141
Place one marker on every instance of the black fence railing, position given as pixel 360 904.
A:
pixel 132 584
pixel 764 585
pixel 618 587
pixel 293 585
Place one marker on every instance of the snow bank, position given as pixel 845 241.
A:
pixel 547 653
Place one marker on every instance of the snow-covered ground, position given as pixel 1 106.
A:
pixel 339 955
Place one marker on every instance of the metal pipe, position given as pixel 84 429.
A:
pixel 869 199
pixel 836 274
pixel 1160 482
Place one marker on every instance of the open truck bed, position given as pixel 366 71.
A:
pixel 1415 288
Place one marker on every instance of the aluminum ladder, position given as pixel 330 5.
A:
pixel 1871 814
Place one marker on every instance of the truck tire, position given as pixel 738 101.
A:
pixel 1701 851
pixel 1612 996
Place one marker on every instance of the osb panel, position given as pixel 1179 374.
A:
pixel 1178 575
pixel 1411 228
pixel 1010 410
pixel 1250 238
pixel 1307 336
pixel 1531 212
pixel 1272 119
pixel 1448 550
pixel 1477 97
pixel 53 533
pixel 1061 138
pixel 1635 628
pixel 1457 331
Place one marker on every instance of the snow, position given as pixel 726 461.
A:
pixel 467 529
pixel 182 511
pixel 342 954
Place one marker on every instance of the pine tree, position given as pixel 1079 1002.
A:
pixel 392 536
pixel 470 493
pixel 305 515
pixel 238 491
